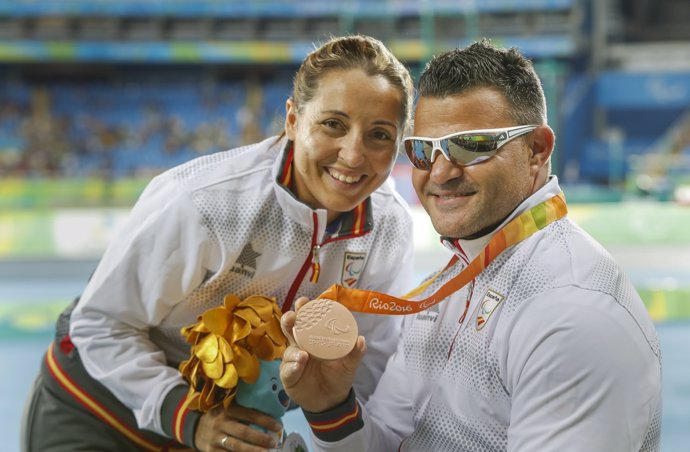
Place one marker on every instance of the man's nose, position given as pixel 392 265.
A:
pixel 442 170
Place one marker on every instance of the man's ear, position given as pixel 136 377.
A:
pixel 290 119
pixel 541 144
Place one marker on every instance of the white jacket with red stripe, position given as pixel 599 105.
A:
pixel 225 224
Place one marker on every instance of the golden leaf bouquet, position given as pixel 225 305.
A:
pixel 226 345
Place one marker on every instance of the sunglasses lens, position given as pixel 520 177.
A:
pixel 469 149
pixel 419 153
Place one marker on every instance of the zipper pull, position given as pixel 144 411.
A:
pixel 315 265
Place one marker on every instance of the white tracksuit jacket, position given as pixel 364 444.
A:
pixel 225 224
pixel 567 361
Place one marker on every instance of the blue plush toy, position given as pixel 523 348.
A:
pixel 267 393
pixel 268 396
pixel 234 357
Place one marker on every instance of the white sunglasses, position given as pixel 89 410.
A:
pixel 461 148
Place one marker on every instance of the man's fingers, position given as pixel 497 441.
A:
pixel 294 359
pixel 287 321
pixel 360 348
pixel 293 365
pixel 355 356
pixel 301 301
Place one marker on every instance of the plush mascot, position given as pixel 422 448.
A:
pixel 235 356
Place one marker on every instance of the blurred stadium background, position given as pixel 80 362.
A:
pixel 97 96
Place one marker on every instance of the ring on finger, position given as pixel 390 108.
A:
pixel 222 442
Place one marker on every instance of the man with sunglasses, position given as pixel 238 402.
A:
pixel 531 338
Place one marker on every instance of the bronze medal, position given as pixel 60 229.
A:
pixel 325 329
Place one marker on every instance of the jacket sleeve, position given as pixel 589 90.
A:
pixel 579 371
pixel 152 263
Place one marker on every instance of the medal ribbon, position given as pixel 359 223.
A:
pixel 518 229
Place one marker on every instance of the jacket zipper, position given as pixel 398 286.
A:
pixel 290 298
pixel 312 261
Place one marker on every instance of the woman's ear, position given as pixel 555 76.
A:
pixel 541 144
pixel 290 119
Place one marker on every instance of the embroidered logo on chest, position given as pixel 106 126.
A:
pixel 246 261
pixel 353 264
pixel 487 307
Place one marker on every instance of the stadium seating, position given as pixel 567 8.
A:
pixel 129 87
pixel 124 129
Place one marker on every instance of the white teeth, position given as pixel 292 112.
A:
pixel 459 195
pixel 343 178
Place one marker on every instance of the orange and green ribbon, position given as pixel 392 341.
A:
pixel 517 230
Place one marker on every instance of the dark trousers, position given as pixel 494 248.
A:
pixel 68 411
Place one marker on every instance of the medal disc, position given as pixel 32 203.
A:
pixel 325 329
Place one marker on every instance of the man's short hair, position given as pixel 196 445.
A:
pixel 484 65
